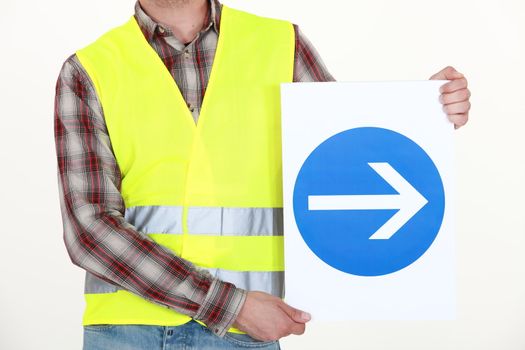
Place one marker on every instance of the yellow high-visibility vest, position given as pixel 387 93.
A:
pixel 211 192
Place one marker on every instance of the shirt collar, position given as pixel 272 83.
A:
pixel 150 28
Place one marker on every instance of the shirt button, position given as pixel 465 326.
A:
pixel 190 106
pixel 161 30
pixel 186 54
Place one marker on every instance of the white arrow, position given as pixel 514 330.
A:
pixel 408 200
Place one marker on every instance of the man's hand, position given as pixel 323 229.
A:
pixel 266 317
pixel 454 95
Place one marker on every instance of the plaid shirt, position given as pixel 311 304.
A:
pixel 96 235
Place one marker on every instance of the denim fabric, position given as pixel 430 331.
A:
pixel 189 336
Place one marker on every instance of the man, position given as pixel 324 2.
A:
pixel 182 253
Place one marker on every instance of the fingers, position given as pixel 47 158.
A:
pixel 285 327
pixel 295 314
pixel 457 108
pixel 298 318
pixel 447 73
pixel 454 85
pixel 458 113
pixel 454 97
pixel 458 119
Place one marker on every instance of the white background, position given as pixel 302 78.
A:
pixel 41 300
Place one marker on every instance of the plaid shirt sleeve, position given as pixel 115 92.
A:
pixel 97 237
pixel 308 65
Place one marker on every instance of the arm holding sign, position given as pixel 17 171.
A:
pixel 455 95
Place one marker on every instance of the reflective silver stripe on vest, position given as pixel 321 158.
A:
pixel 269 282
pixel 95 285
pixel 208 220
pixel 235 221
pixel 155 219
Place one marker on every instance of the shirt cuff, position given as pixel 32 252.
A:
pixel 220 307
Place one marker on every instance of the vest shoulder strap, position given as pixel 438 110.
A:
pixel 107 50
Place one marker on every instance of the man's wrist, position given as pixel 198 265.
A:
pixel 221 306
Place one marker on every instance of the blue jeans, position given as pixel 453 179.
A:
pixel 189 336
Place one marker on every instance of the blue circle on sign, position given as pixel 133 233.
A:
pixel 341 200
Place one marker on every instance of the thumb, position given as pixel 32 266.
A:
pixel 447 73
pixel 296 314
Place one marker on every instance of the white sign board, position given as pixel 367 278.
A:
pixel 368 204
